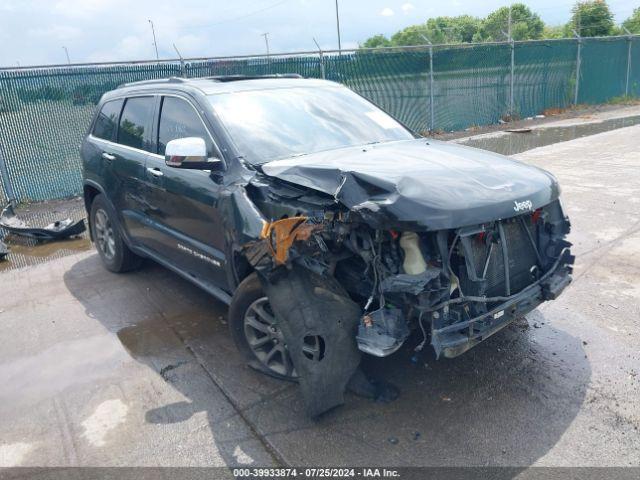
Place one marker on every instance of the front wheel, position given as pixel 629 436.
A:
pixel 255 331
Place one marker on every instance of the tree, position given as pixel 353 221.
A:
pixel 376 41
pixel 591 19
pixel 412 35
pixel 633 22
pixel 459 29
pixel 438 30
pixel 553 31
pixel 525 25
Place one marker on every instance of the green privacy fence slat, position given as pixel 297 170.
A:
pixel 634 71
pixel 44 112
pixel 395 81
pixel 604 69
pixel 544 76
pixel 471 85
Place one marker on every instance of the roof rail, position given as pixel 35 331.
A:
pixel 235 78
pixel 154 81
pixel 216 78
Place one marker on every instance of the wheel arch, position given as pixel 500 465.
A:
pixel 90 191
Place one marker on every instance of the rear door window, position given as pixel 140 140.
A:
pixel 178 119
pixel 107 121
pixel 135 123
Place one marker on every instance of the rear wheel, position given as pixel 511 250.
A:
pixel 114 253
pixel 255 331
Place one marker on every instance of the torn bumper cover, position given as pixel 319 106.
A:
pixel 55 231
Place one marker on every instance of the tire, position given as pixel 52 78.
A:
pixel 113 251
pixel 254 333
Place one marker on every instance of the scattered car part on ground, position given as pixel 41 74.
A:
pixel 328 227
pixel 4 250
pixel 55 231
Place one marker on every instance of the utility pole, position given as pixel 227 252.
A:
pixel 155 43
pixel 338 27
pixel 66 51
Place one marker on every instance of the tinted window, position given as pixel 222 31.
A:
pixel 282 122
pixel 178 119
pixel 135 119
pixel 107 120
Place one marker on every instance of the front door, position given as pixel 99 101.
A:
pixel 186 224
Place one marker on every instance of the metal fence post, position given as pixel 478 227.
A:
pixel 511 82
pixel 629 40
pixel 578 62
pixel 183 70
pixel 431 109
pixel 321 56
pixel 431 106
pixel 6 181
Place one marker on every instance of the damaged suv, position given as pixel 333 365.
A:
pixel 328 227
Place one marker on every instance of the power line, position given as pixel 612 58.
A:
pixel 240 17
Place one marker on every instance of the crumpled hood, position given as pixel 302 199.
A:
pixel 423 184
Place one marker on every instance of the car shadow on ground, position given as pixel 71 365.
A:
pixel 506 402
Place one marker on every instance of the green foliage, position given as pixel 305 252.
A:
pixel 47 92
pixel 525 25
pixel 377 41
pixel 459 29
pixel 439 30
pixel 633 22
pixel 556 31
pixel 591 19
pixel 412 35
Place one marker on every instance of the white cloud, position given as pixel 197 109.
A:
pixel 387 12
pixel 59 32
pixel 129 48
pixel 81 8
pixel 407 7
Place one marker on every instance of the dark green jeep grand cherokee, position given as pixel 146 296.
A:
pixel 328 227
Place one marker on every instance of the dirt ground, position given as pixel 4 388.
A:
pixel 100 369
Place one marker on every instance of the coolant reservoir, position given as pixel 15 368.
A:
pixel 414 263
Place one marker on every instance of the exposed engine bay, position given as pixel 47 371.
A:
pixel 335 275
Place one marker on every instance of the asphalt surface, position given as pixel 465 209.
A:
pixel 100 369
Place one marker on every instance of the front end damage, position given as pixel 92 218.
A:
pixel 340 286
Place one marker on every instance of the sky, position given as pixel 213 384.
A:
pixel 34 32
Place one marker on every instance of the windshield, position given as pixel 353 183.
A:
pixel 279 123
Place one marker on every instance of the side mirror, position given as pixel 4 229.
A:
pixel 190 152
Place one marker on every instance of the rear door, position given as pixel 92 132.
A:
pixel 186 224
pixel 127 156
pixel 98 164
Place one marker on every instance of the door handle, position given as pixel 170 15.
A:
pixel 156 172
pixel 108 156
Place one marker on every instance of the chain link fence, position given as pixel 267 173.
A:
pixel 45 111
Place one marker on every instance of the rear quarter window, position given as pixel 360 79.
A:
pixel 107 120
